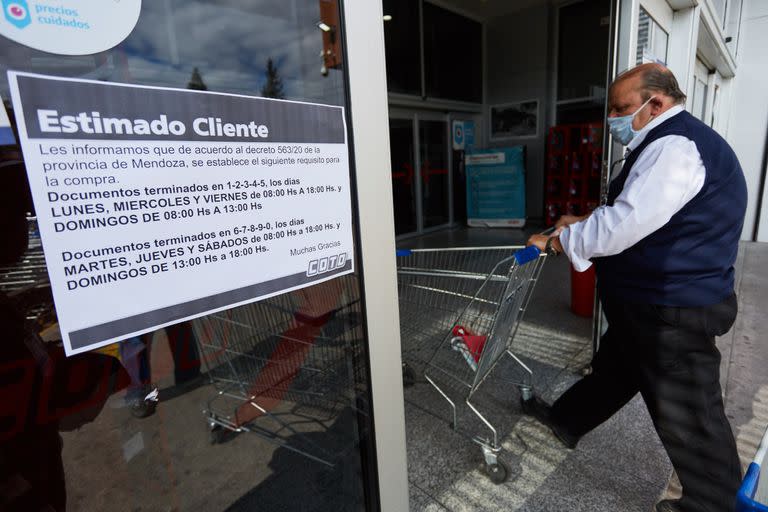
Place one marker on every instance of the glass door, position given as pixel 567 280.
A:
pixel 404 180
pixel 256 405
pixel 422 183
pixel 435 180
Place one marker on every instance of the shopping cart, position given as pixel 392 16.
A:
pixel 459 311
pixel 284 367
pixel 26 281
pixel 753 493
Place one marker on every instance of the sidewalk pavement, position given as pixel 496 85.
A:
pixel 621 466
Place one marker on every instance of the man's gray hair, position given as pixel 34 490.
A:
pixel 661 80
pixel 655 78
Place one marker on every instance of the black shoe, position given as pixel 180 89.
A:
pixel 668 506
pixel 142 401
pixel 543 412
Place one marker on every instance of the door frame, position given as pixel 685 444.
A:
pixel 369 113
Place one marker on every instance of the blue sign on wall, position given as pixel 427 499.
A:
pixel 469 135
pixel 463 135
pixel 496 187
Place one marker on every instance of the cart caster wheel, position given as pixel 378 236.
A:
pixel 409 378
pixel 216 435
pixel 498 473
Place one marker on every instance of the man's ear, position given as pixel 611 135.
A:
pixel 656 104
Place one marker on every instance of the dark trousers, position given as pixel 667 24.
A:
pixel 668 354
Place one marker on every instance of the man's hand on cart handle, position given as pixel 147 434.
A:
pixel 567 220
pixel 548 243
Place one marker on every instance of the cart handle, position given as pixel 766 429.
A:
pixel 532 252
pixel 526 255
pixel 522 256
pixel 745 498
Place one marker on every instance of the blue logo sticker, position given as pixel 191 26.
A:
pixel 17 12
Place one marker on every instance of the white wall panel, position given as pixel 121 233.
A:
pixel 748 120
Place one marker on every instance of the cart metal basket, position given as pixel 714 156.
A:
pixel 28 277
pixel 459 311
pixel 283 368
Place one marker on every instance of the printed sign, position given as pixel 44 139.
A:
pixel 69 27
pixel 458 135
pixel 158 205
pixel 496 187
pixel 463 135
pixel 469 135
pixel 489 157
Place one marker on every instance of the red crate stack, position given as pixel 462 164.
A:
pixel 558 163
pixel 574 164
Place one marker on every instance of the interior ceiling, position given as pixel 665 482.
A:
pixel 487 9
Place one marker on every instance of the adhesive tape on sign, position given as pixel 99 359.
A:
pixel 74 27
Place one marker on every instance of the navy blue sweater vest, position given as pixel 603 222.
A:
pixel 688 261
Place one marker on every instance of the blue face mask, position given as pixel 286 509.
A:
pixel 621 127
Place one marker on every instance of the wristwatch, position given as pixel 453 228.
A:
pixel 551 251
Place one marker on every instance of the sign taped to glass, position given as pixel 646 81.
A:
pixel 71 27
pixel 158 205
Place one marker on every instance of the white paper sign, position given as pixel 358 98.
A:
pixel 485 159
pixel 158 205
pixel 69 27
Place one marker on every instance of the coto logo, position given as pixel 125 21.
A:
pixel 17 12
pixel 323 265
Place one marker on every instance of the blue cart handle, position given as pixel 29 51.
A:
pixel 532 252
pixel 746 501
pixel 527 255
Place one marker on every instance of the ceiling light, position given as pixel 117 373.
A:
pixel 387 17
pixel 323 26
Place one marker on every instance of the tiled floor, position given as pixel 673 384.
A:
pixel 619 467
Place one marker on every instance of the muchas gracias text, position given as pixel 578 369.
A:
pixel 51 122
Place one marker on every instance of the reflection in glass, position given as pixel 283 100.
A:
pixel 453 57
pixel 433 152
pixel 652 40
pixel 229 42
pixel 582 53
pixel 402 46
pixel 261 407
pixel 699 97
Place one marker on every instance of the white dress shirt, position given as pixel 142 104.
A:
pixel 666 175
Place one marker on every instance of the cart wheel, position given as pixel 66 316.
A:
pixel 216 435
pixel 409 378
pixel 499 472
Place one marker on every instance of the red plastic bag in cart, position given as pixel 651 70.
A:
pixel 473 343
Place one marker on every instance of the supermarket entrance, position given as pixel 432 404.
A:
pixel 528 77
pixel 190 332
